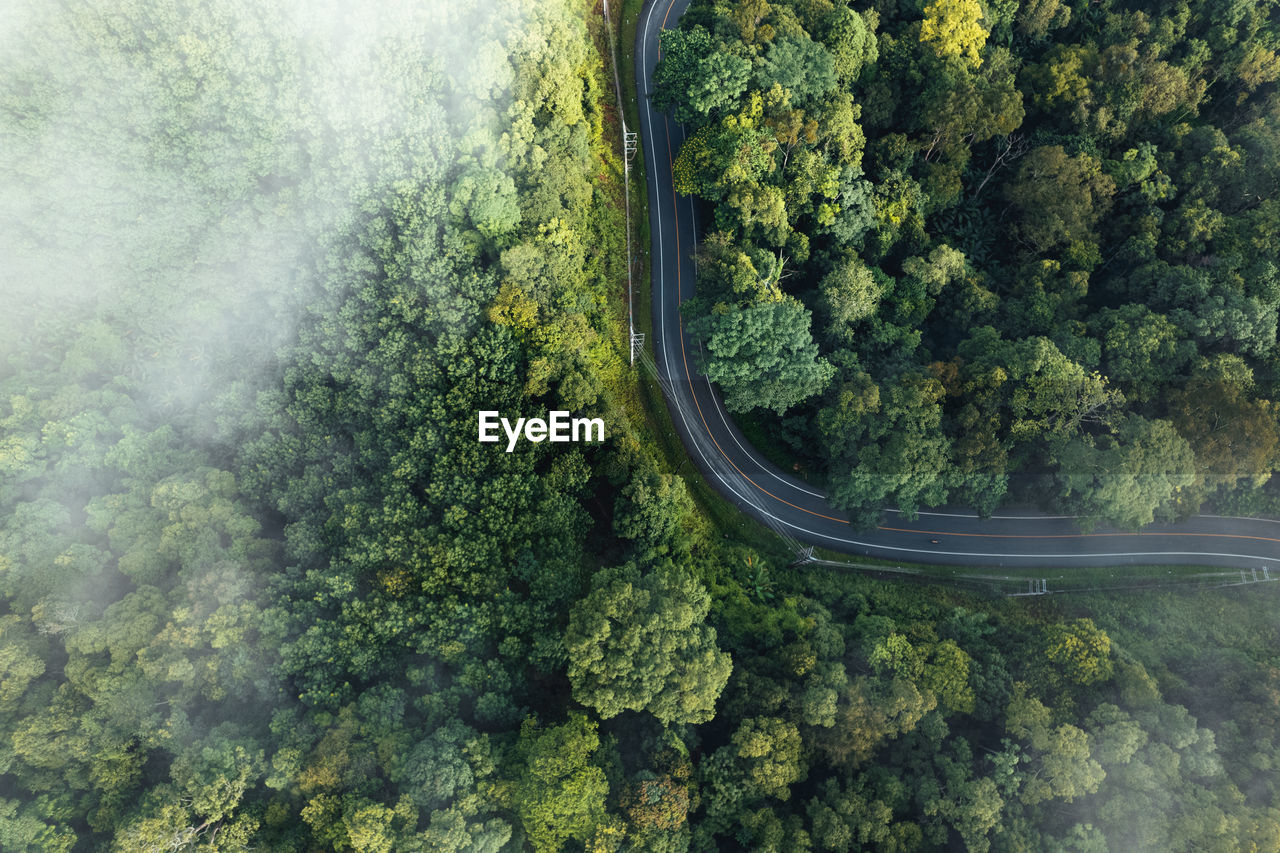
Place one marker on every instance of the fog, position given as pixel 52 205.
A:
pixel 180 175
pixel 177 183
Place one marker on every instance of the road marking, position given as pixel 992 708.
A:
pixel 1240 518
pixel 897 511
pixel 1071 535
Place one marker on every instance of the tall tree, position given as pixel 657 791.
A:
pixel 763 356
pixel 1127 475
pixel 639 642
pixel 559 792
pixel 1059 197
pixel 954 29
pixel 696 79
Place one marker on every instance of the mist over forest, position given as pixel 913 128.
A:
pixel 180 175
pixel 261 264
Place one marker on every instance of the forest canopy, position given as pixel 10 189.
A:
pixel 262 589
pixel 1037 237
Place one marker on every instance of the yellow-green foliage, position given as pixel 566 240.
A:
pixel 954 29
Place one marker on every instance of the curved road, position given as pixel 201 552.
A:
pixel 800 511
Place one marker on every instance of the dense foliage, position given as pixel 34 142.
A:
pixel 1037 238
pixel 261 588
pixel 261 584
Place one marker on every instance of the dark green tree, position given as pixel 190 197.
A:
pixel 763 356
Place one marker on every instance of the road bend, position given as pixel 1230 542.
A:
pixel 802 512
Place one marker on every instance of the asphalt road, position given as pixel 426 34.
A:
pixel 800 511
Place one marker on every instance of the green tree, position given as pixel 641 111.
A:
pixel 851 39
pixel 639 642
pixel 884 444
pixel 802 67
pixel 735 152
pixel 849 293
pixel 487 197
pixel 655 511
pixel 1059 198
pixel 216 775
pixel 1141 349
pixel 559 793
pixel 1037 17
pixel 1127 475
pixel 695 79
pixel 763 356
pixel 1062 766
pixel 1079 651
pixel 871 712
pixel 165 823
pixel 972 806
pixel 1235 436
pixel 953 28
pixel 961 105
pixel 770 753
